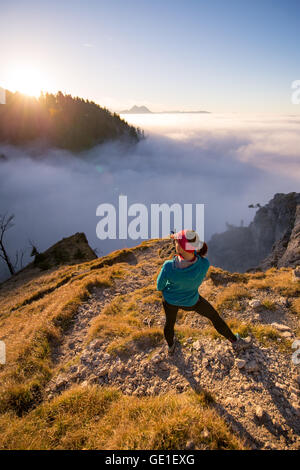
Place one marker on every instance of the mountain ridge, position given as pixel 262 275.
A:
pixel 62 121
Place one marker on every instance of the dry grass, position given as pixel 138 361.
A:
pixel 296 306
pixel 36 309
pixel 95 418
pixel 221 277
pixel 119 318
pixel 277 280
pixel 154 298
pixel 269 304
pixel 35 323
pixel 228 297
pixel 265 334
pixel 143 339
pixel 121 322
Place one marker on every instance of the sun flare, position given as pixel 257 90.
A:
pixel 25 79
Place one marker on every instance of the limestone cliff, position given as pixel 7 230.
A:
pixel 271 239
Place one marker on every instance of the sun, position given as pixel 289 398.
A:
pixel 25 79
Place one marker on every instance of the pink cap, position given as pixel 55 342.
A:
pixel 188 240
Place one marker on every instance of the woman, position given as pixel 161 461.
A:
pixel 179 280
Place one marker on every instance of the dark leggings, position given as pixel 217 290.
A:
pixel 204 308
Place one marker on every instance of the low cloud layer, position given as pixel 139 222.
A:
pixel 223 161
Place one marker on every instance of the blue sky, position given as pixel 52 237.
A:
pixel 222 56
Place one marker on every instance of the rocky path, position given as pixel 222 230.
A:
pixel 257 391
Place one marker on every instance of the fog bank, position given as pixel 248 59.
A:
pixel 223 161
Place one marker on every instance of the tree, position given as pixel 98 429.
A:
pixel 6 222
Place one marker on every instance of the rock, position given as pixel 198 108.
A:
pixel 103 371
pixel 278 385
pixel 86 357
pixel 205 433
pixel 179 387
pixel 197 345
pixel 294 397
pixel 255 303
pixel 296 344
pixel 95 344
pixel 271 239
pixel 259 412
pixel 93 379
pixel 156 359
pixel 60 381
pixel 190 445
pixel 112 373
pixel 82 371
pixel 228 401
pixel 205 362
pixel 252 366
pixel 280 326
pixel 296 274
pixel 282 302
pixel 120 368
pixel 294 390
pixel 286 251
pixel 287 334
pixel 240 363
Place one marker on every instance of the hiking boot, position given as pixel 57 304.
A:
pixel 241 343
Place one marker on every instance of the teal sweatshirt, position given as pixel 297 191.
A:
pixel 180 285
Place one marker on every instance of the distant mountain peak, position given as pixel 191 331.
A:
pixel 144 110
pixel 136 110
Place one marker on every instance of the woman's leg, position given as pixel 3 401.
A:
pixel 171 314
pixel 203 307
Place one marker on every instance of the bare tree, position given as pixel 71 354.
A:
pixel 34 250
pixel 19 259
pixel 6 222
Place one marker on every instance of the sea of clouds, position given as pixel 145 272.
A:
pixel 225 162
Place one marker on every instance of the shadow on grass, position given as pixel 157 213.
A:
pixel 268 381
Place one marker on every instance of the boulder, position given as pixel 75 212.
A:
pixel 259 413
pixel 197 345
pixel 240 363
pixel 252 366
pixel 255 303
pixel 280 326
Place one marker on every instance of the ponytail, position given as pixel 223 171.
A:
pixel 202 252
